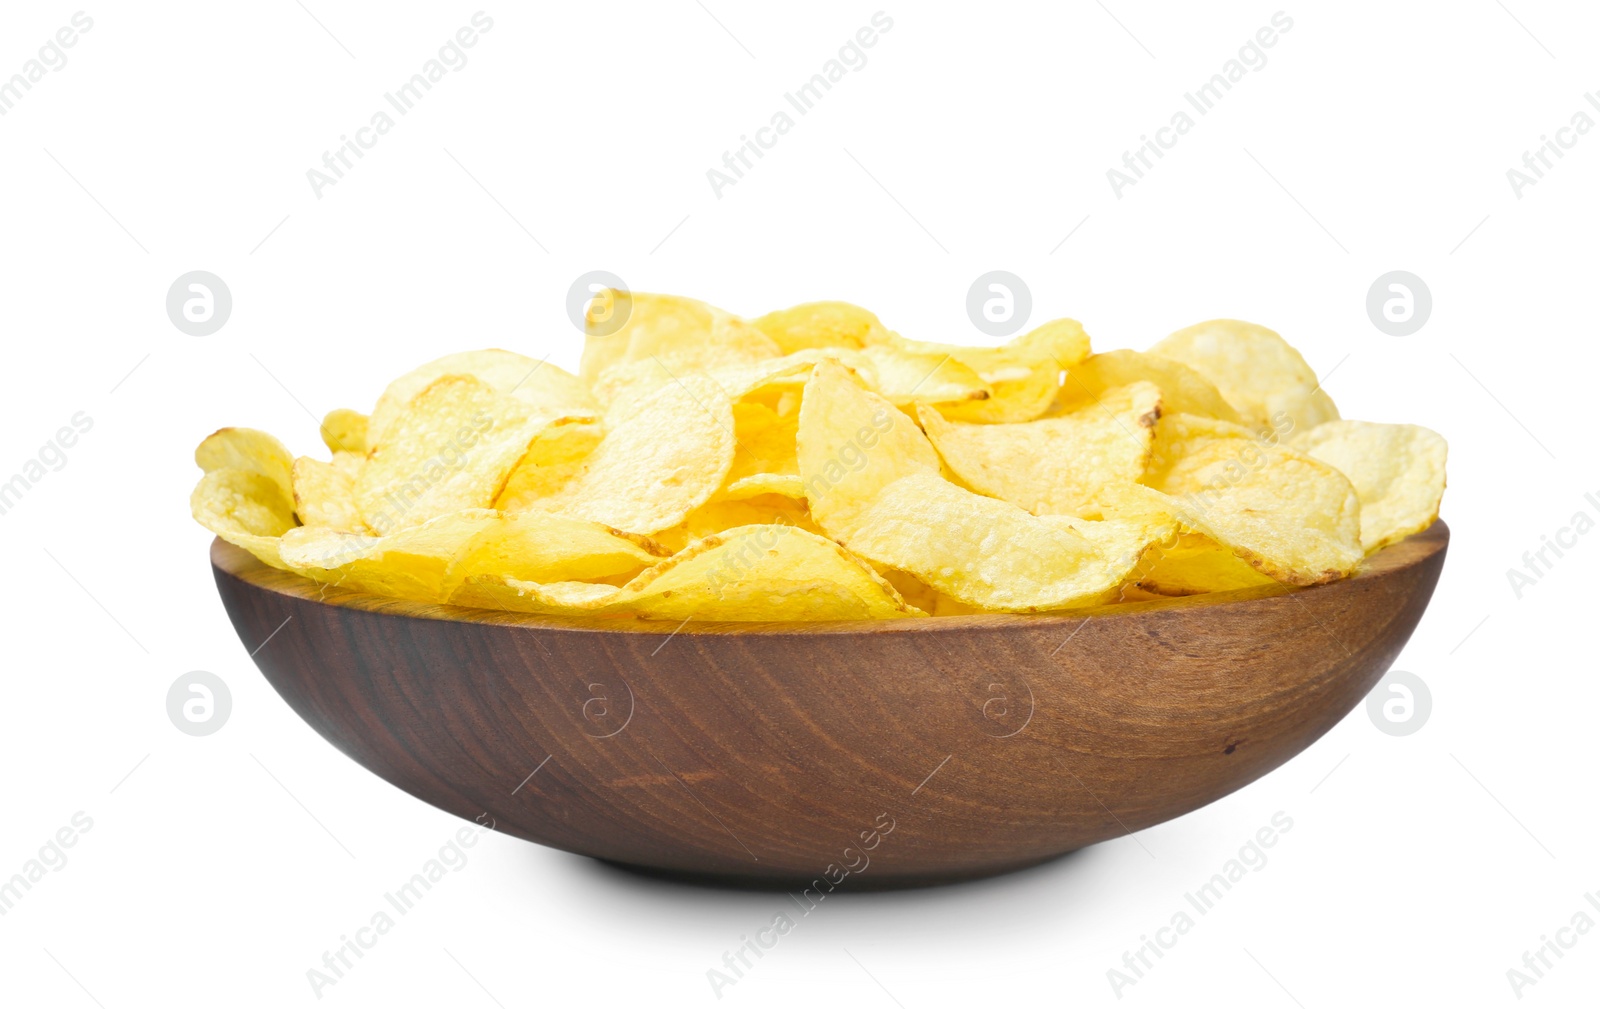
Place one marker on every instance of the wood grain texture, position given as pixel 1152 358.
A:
pixel 767 753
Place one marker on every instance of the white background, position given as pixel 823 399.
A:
pixel 577 137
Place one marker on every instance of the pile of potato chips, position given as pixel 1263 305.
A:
pixel 813 465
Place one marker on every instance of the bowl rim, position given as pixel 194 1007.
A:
pixel 240 564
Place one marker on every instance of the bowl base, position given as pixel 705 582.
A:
pixel 852 884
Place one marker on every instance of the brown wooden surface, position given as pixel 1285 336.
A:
pixel 760 753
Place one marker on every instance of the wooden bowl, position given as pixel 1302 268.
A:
pixel 813 756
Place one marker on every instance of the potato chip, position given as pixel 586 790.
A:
pixel 787 485
pixel 789 371
pixel 759 572
pixel 1130 502
pixel 822 324
pixel 873 483
pixel 680 335
pixel 1023 375
pixel 780 399
pixel 738 381
pixel 901 371
pixel 1255 369
pixel 452 447
pixel 1061 340
pixel 989 553
pixel 541 546
pixel 764 454
pixel 758 509
pixel 245 448
pixel 345 431
pixel 349 463
pixel 912 589
pixel 904 377
pixel 567 599
pixel 1397 470
pixel 1183 390
pixel 325 495
pixel 852 443
pixel 540 386
pixel 1177 434
pixel 1292 517
pixel 676 538
pixel 655 467
pixel 245 508
pixel 408 564
pixel 1195 563
pixel 1055 465
pixel 765 572
pixel 554 457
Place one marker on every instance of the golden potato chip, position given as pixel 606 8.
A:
pixel 349 463
pixel 944 606
pixel 873 483
pixel 905 376
pixel 758 509
pixel 564 599
pixel 541 387
pixel 626 385
pixel 782 400
pixel 1061 340
pixel 1255 369
pixel 1056 465
pixel 1292 517
pixel 822 324
pixel 1177 434
pixel 1023 375
pixel 408 564
pixel 912 589
pixel 765 572
pixel 541 546
pixel 760 572
pixel 1183 390
pixel 901 371
pixel 1195 563
pixel 852 443
pixel 345 431
pixel 451 448
pixel 554 457
pixel 325 495
pixel 763 455
pixel 1129 502
pixel 789 371
pixel 675 539
pixel 788 485
pixel 637 381
pixel 655 467
pixel 1397 470
pixel 681 335
pixel 989 553
pixel 247 509
pixel 908 371
pixel 245 448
